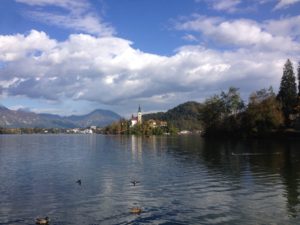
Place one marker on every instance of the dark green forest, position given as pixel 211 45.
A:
pixel 186 116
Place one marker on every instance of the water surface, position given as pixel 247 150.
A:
pixel 183 180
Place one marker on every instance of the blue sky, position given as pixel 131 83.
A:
pixel 70 57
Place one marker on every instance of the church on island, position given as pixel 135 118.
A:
pixel 136 119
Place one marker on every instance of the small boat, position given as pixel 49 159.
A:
pixel 136 210
pixel 42 220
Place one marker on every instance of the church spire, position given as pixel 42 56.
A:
pixel 139 115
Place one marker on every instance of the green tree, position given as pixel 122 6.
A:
pixel 212 112
pixel 219 113
pixel 264 112
pixel 172 129
pixel 288 90
pixel 232 101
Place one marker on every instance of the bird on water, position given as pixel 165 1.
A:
pixel 42 220
pixel 136 210
pixel 78 182
pixel 134 182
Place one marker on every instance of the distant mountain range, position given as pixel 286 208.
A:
pixel 22 119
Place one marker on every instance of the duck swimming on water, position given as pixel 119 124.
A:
pixel 134 182
pixel 78 182
pixel 136 210
pixel 42 220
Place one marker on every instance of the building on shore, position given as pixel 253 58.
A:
pixel 137 119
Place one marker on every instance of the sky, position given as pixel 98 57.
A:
pixel 71 57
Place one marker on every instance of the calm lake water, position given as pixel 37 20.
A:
pixel 183 180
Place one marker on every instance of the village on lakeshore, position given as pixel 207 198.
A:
pixel 139 126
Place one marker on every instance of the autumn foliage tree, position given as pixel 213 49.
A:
pixel 264 112
pixel 219 113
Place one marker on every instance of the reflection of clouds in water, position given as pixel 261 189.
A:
pixel 181 180
pixel 107 184
pixel 136 148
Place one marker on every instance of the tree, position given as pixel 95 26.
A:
pixel 298 70
pixel 264 112
pixel 220 112
pixel 212 112
pixel 232 101
pixel 288 90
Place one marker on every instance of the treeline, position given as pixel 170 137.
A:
pixel 267 113
pixel 35 130
pixel 124 127
pixel 186 116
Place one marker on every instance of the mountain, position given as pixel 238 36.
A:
pixel 98 117
pixel 185 116
pixel 17 118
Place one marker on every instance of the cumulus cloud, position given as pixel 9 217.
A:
pixel 285 3
pixel 109 70
pixel 239 32
pixel 76 15
pixel 289 26
pixel 15 47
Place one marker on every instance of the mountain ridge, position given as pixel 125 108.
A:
pixel 26 119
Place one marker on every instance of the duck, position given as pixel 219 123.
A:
pixel 78 182
pixel 136 210
pixel 42 220
pixel 134 182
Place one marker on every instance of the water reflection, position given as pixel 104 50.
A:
pixel 290 174
pixel 136 147
pixel 268 158
pixel 183 180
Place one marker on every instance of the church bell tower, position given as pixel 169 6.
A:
pixel 139 115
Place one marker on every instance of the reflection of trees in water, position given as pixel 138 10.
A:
pixel 290 174
pixel 285 164
pixel 273 157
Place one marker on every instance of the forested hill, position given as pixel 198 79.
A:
pixel 185 116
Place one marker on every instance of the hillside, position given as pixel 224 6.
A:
pixel 185 116
pixel 17 119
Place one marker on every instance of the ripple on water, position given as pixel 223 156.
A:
pixel 182 181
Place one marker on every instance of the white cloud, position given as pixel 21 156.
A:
pixel 189 37
pixel 289 26
pixel 109 70
pixel 239 32
pixel 79 4
pixel 233 6
pixel 77 15
pixel 285 3
pixel 15 47
pixel 225 5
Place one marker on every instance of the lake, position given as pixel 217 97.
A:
pixel 182 180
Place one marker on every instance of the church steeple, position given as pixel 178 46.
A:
pixel 139 115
